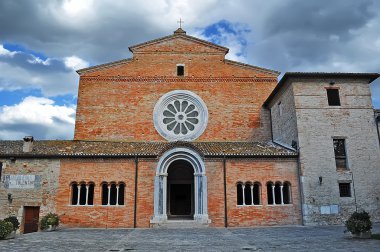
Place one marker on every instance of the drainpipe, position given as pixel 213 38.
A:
pixel 271 124
pixel 377 118
pixel 225 192
pixel 135 207
pixel 353 185
pixel 300 185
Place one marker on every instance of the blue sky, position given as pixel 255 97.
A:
pixel 42 43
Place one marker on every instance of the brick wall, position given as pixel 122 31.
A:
pixel 116 102
pixel 100 170
pixel 262 171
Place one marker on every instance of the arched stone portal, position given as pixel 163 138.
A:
pixel 188 159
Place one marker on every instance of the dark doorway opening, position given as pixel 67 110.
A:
pixel 31 219
pixel 180 190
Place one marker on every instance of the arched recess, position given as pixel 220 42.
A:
pixel 200 184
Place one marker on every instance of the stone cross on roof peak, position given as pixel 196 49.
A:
pixel 180 30
pixel 180 23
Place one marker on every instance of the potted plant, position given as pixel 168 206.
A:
pixel 49 222
pixel 15 225
pixel 360 225
pixel 6 229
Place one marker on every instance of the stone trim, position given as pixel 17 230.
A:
pixel 178 79
pixel 180 97
pixel 200 185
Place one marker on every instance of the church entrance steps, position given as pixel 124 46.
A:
pixel 180 224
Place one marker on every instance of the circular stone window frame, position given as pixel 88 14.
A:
pixel 182 95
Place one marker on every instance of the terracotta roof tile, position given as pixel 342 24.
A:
pixel 74 148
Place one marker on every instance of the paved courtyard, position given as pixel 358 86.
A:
pixel 330 238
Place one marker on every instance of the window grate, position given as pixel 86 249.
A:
pixel 344 189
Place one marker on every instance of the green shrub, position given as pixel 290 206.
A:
pixel 49 219
pixel 359 222
pixel 14 221
pixel 6 228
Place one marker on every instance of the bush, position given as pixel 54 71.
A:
pixel 14 221
pixel 49 219
pixel 6 228
pixel 359 222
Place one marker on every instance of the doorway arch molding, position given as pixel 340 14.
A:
pixel 200 184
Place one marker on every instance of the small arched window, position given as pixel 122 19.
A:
pixel 278 193
pixel 287 195
pixel 121 193
pixel 82 193
pixel 256 193
pixel 248 193
pixel 113 194
pixel 270 193
pixel 239 188
pixel 74 193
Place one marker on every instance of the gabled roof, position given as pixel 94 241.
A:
pixel 75 148
pixel 309 75
pixel 179 33
pixel 260 69
pixel 101 66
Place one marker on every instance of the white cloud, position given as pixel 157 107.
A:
pixel 5 52
pixel 75 63
pixel 37 116
pixel 37 60
pixel 51 76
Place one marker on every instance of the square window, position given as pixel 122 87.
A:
pixel 180 70
pixel 345 189
pixel 333 97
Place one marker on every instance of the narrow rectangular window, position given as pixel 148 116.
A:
pixel 333 97
pixel 1 169
pixel 180 70
pixel 280 109
pixel 340 153
pixel 345 189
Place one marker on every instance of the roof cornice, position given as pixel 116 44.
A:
pixel 179 35
pixel 317 75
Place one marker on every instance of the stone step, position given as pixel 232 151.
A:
pixel 180 224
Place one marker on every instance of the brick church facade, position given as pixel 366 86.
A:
pixel 179 134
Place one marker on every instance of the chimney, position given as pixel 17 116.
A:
pixel 28 144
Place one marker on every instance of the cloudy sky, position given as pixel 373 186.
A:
pixel 42 43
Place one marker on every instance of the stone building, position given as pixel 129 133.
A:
pixel 180 135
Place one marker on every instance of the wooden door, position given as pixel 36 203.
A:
pixel 31 219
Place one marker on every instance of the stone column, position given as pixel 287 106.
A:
pixel 109 194
pixel 78 194
pixel 87 186
pixel 282 194
pixel 273 195
pixel 160 189
pixel 252 195
pixel 117 195
pixel 243 187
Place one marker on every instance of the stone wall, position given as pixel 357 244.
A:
pixel 43 193
pixel 317 125
pixel 284 120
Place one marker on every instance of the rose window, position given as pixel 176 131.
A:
pixel 180 115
